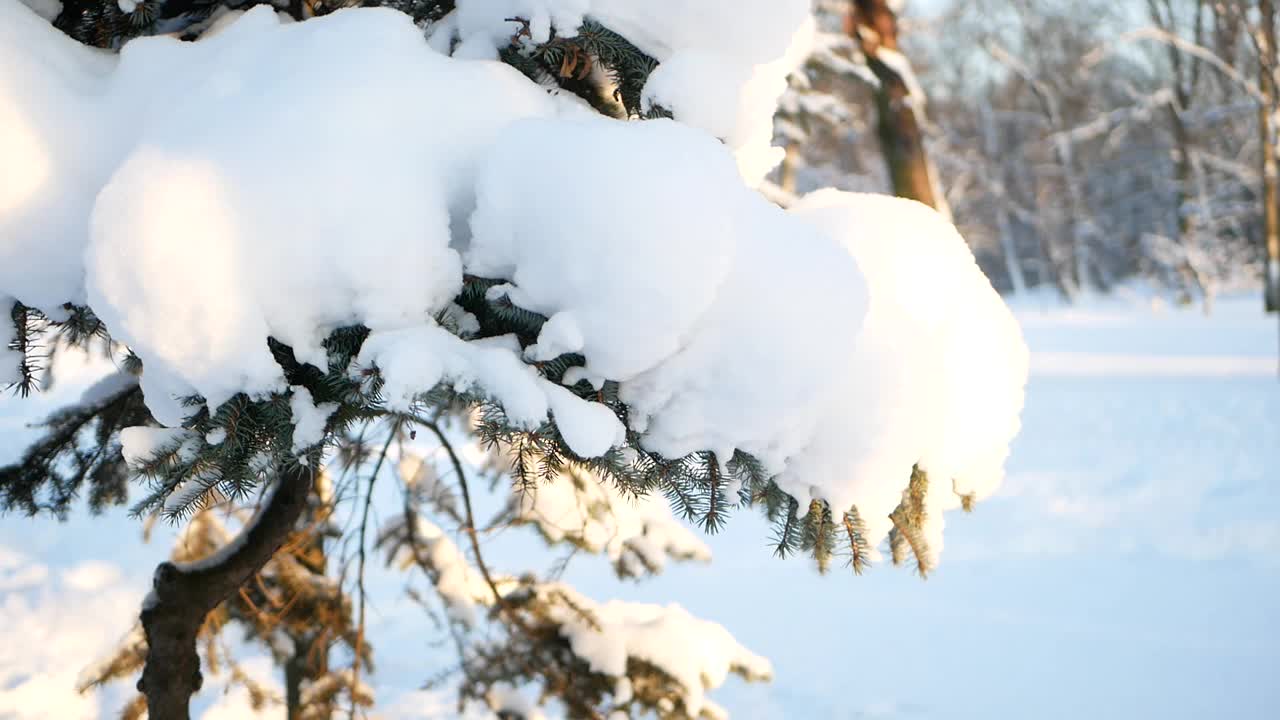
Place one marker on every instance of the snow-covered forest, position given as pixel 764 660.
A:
pixel 1078 145
pixel 532 359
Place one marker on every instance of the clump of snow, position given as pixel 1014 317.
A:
pixel 186 494
pixel 491 20
pixel 197 299
pixel 750 58
pixel 761 29
pixel 637 533
pixel 140 445
pixel 47 9
pixel 560 334
pixel 939 373
pixel 750 55
pixel 108 387
pixel 420 478
pixel 308 418
pixel 590 429
pixel 50 90
pixel 697 654
pixel 595 261
pixel 507 700
pixel 679 85
pixel 414 360
pixel 840 344
pixel 763 358
pixel 739 106
pixel 461 586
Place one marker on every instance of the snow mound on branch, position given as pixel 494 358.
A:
pixel 754 31
pixel 738 107
pixel 748 46
pixel 632 258
pixel 52 166
pixel 308 418
pixel 410 540
pixel 414 360
pixel 938 376
pixel 213 235
pixel 142 444
pixel 761 361
pixel 507 700
pixel 360 185
pixel 697 653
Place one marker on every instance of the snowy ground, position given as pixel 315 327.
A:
pixel 1127 569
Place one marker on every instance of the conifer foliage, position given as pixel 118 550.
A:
pixel 442 236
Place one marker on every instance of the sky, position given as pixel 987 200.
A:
pixel 1127 568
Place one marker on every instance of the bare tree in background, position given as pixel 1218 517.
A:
pixel 873 25
pixel 1264 42
pixel 1185 75
pixel 1082 145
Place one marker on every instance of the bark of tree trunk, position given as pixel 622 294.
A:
pixel 991 146
pixel 874 27
pixel 1186 72
pixel 309 663
pixel 310 660
pixel 182 596
pixel 1266 127
pixel 1182 177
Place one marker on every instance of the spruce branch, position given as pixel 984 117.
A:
pixel 859 549
pixel 904 537
pixel 909 520
pixel 713 518
pixel 80 447
pixel 819 533
pixel 786 531
pixel 23 341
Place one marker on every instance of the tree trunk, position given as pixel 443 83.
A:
pixel 991 147
pixel 1204 277
pixel 1267 130
pixel 1185 71
pixel 310 660
pixel 874 27
pixel 309 663
pixel 182 595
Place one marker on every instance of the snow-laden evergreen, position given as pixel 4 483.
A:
pixel 211 221
pixel 297 233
